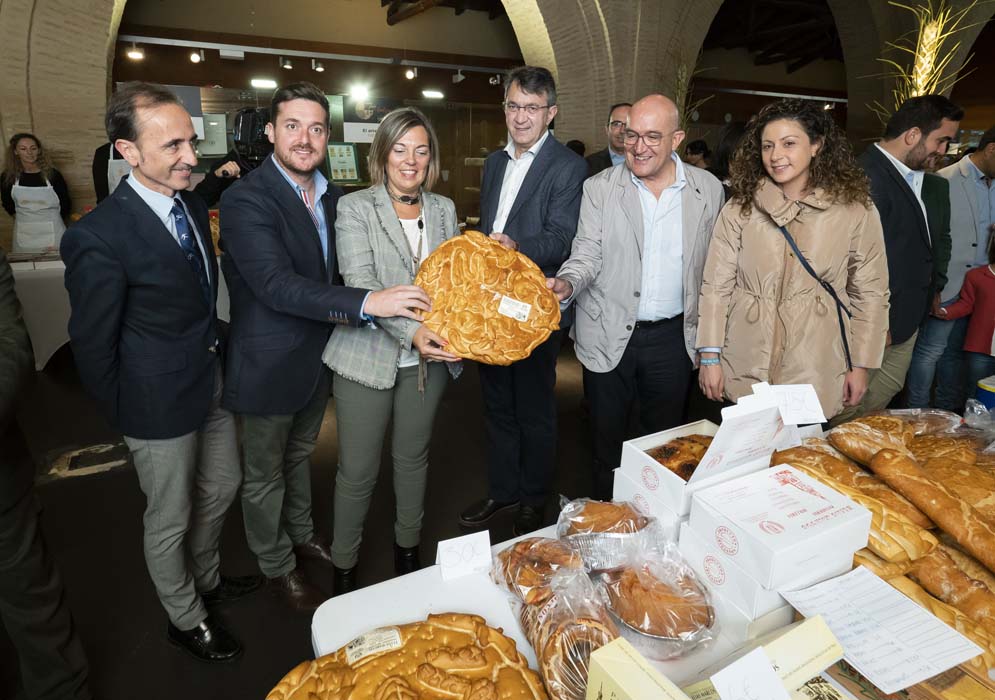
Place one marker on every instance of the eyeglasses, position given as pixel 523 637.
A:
pixel 531 110
pixel 616 125
pixel 650 138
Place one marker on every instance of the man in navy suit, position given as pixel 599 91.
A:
pixel 278 237
pixel 143 282
pixel 530 201
pixel 914 209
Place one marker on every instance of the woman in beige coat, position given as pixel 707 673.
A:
pixel 766 315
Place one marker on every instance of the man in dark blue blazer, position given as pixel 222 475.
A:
pixel 530 202
pixel 916 235
pixel 143 283
pixel 278 237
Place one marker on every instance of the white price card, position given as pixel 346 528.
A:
pixel 469 554
pixel 799 403
pixel 750 677
pixel 512 308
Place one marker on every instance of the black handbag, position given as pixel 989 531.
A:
pixel 840 306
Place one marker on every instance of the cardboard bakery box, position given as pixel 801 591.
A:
pixel 635 492
pixel 618 672
pixel 738 626
pixel 741 445
pixel 780 526
pixel 722 575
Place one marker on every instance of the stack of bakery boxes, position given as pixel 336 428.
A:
pixel 748 530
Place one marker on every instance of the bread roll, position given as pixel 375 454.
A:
pixel 943 507
pixel 892 536
pixel 849 474
pixel 974 485
pixel 878 566
pixel 959 448
pixel 861 439
pixel 954 618
pixel 940 575
pixel 450 655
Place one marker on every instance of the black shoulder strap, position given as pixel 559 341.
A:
pixel 840 306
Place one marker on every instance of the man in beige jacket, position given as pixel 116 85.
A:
pixel 634 272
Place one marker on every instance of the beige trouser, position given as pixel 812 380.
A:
pixel 882 383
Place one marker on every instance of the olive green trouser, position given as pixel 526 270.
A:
pixel 362 415
pixel 882 384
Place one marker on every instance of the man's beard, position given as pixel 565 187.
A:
pixel 917 159
pixel 295 170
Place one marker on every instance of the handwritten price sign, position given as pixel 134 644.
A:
pixel 464 555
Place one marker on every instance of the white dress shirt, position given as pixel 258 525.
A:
pixel 162 207
pixel 514 175
pixel 662 288
pixel 914 178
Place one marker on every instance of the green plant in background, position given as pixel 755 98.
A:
pixel 931 70
pixel 682 87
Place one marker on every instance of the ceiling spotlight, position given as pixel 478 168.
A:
pixel 285 63
pixel 317 66
pixel 828 106
pixel 432 94
pixel 411 73
pixel 495 80
pixel 135 53
pixel 263 83
pixel 197 56
pixel 458 77
pixel 359 93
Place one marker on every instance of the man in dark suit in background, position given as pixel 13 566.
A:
pixel 615 153
pixel 911 204
pixel 530 201
pixel 278 237
pixel 33 605
pixel 143 282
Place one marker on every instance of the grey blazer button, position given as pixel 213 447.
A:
pixel 635 293
pixel 628 328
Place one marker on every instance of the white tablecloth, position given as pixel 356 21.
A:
pixel 41 288
pixel 45 301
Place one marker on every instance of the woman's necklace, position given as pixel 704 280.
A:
pixel 404 198
pixel 417 250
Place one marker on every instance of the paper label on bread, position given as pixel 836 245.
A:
pixel 512 308
pixel 383 639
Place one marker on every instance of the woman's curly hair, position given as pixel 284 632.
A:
pixel 833 168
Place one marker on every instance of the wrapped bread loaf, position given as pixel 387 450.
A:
pixel 527 567
pixel 849 474
pixel 974 485
pixel 892 536
pixel 450 655
pixel 954 618
pixel 967 526
pixel 940 575
pixel 960 448
pixel 878 566
pixel 861 439
pixel 602 530
pixel 674 609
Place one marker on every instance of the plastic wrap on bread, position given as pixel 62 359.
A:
pixel 602 530
pixel 526 568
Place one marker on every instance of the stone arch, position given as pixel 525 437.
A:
pixel 607 51
pixel 56 66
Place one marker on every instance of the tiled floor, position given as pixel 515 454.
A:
pixel 93 526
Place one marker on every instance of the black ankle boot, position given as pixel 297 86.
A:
pixel 406 559
pixel 344 580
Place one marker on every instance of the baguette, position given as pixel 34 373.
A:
pixel 892 536
pixel 825 447
pixel 969 565
pixel 861 439
pixel 967 526
pixel 974 485
pixel 957 447
pixel 878 566
pixel 954 618
pixel 849 474
pixel 938 574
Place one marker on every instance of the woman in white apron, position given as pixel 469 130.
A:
pixel 35 194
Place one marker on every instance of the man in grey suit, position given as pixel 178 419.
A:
pixel 972 217
pixel 634 274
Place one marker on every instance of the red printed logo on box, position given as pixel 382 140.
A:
pixel 651 479
pixel 641 503
pixel 771 527
pixel 726 540
pixel 714 570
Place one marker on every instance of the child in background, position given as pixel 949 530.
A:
pixel 977 299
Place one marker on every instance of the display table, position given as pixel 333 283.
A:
pixel 41 288
pixel 42 292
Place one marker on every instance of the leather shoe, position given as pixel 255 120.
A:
pixel 483 511
pixel 406 559
pixel 296 590
pixel 528 519
pixel 208 641
pixel 315 549
pixel 345 580
pixel 231 588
